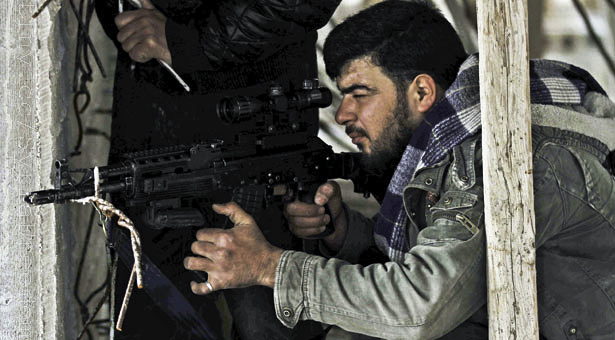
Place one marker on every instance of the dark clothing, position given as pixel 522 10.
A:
pixel 221 49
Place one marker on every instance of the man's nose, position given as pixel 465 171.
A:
pixel 345 112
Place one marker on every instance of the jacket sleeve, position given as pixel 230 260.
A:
pixel 440 283
pixel 238 32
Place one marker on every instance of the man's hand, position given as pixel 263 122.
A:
pixel 142 33
pixel 233 258
pixel 306 220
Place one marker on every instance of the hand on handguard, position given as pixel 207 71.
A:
pixel 233 258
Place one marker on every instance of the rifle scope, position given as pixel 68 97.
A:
pixel 236 109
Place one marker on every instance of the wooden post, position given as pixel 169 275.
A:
pixel 506 140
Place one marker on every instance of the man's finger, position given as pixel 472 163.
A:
pixel 301 209
pixel 127 17
pixel 307 233
pixel 128 28
pixel 201 288
pixel 325 192
pixel 208 234
pixel 234 212
pixel 140 53
pixel 197 263
pixel 147 4
pixel 311 222
pixel 202 248
pixel 137 26
pixel 129 44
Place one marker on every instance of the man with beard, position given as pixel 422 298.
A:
pixel 411 98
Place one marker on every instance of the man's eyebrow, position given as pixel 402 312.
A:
pixel 353 87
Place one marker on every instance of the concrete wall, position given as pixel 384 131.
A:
pixel 95 150
pixel 40 246
pixel 32 293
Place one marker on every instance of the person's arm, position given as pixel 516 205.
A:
pixel 439 285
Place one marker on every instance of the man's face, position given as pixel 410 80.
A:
pixel 377 116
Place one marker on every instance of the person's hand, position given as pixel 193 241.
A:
pixel 233 258
pixel 307 220
pixel 142 33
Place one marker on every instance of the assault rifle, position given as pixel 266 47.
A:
pixel 175 185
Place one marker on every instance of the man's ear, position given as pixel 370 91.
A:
pixel 423 93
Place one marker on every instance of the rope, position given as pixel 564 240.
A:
pixel 107 210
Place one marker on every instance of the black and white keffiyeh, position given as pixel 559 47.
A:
pixel 457 117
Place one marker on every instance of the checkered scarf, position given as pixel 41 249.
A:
pixel 457 117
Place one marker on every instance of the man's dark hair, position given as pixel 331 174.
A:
pixel 404 38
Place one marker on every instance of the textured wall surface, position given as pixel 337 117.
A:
pixel 40 247
pixel 30 287
pixel 94 151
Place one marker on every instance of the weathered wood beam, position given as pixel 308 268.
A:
pixel 507 169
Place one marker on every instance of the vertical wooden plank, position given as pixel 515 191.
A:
pixel 509 202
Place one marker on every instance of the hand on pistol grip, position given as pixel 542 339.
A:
pixel 317 214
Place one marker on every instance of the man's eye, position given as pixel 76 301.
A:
pixel 358 95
